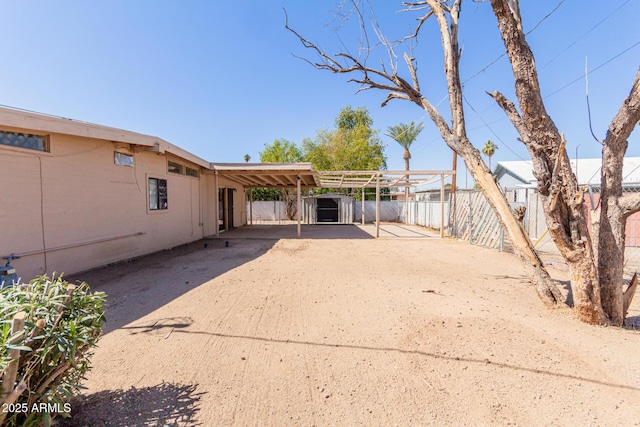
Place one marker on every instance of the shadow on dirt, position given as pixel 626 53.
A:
pixel 566 284
pixel 161 405
pixel 632 322
pixel 140 286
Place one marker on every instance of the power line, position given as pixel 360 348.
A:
pixel 595 69
pixel 585 34
pixel 491 130
pixel 546 16
pixel 485 68
pixel 546 96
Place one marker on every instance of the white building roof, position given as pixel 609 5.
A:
pixel 586 170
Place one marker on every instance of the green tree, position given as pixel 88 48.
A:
pixel 280 151
pixel 489 150
pixel 265 194
pixel 405 134
pixel 247 158
pixel 352 145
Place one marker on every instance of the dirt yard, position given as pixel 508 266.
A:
pixel 336 332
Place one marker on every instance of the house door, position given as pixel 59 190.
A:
pixel 221 209
pixel 229 208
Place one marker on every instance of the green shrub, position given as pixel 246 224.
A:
pixel 62 324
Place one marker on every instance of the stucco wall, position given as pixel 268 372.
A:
pixel 76 194
pixel 239 204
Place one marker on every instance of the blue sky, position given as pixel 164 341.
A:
pixel 220 79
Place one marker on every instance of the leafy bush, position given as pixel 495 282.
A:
pixel 62 324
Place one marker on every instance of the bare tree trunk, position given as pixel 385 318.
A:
pixel 291 204
pixel 458 141
pixel 596 269
pixel 615 208
pixel 596 281
pixel 545 286
pixel 454 136
pixel 557 184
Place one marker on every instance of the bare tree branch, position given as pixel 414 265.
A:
pixel 394 95
pixel 629 204
pixel 512 113
pixel 414 35
pixel 412 69
pixel 626 119
pixel 454 134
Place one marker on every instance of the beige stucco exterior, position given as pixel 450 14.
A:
pixel 73 208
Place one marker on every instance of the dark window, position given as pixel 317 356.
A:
pixel 176 168
pixel 24 140
pixel 158 194
pixel 192 172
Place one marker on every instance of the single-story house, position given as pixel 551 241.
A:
pixel 519 184
pixel 77 195
pixel 518 181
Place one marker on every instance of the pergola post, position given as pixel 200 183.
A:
pixel 378 206
pixel 216 209
pixel 250 206
pixel 441 205
pixel 299 202
pixel 362 207
pixel 406 205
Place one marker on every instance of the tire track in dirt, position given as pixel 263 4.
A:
pixel 309 366
pixel 253 359
pixel 374 332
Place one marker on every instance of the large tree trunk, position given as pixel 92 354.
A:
pixel 457 140
pixel 557 184
pixel 596 278
pixel 615 208
pixel 523 248
pixel 290 203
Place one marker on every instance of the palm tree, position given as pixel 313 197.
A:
pixel 489 150
pixel 247 158
pixel 404 134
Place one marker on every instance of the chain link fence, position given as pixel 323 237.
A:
pixel 474 220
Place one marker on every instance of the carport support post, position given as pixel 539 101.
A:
pixel 406 205
pixel 377 206
pixel 362 206
pixel 299 203
pixel 216 195
pixel 441 205
pixel 250 206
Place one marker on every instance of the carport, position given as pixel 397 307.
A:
pixel 302 176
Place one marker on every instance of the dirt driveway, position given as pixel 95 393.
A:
pixel 337 332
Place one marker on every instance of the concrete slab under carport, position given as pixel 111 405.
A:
pixel 327 231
